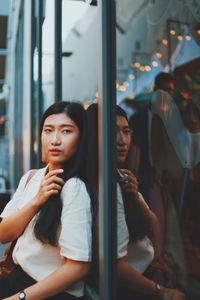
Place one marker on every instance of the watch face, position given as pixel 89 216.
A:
pixel 158 288
pixel 22 295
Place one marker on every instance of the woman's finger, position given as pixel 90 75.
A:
pixel 54 173
pixel 55 179
pixel 127 172
pixel 52 192
pixel 130 185
pixel 130 179
pixel 54 186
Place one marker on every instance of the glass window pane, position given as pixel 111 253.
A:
pixel 48 53
pixel 43 68
pixel 164 115
pixel 80 50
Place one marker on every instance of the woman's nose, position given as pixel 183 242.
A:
pixel 55 139
pixel 120 138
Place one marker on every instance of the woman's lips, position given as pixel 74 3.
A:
pixel 55 151
pixel 121 152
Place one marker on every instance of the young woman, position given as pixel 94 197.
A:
pixel 50 216
pixel 138 224
pixel 135 221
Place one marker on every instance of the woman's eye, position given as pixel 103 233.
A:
pixel 127 131
pixel 47 130
pixel 66 131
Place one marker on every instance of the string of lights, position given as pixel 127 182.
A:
pixel 176 31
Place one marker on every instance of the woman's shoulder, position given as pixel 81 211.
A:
pixel 75 185
pixel 30 174
pixel 33 173
pixel 74 182
pixel 74 190
pixel 24 179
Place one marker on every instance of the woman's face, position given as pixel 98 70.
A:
pixel 123 139
pixel 60 136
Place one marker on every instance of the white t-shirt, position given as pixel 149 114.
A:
pixel 40 260
pixel 138 254
pixel 122 229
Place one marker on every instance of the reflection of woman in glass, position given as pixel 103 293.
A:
pixel 50 216
pixel 135 223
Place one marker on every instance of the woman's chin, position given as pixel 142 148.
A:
pixel 121 161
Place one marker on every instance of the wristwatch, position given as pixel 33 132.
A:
pixel 157 288
pixel 22 295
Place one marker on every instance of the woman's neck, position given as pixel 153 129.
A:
pixel 52 167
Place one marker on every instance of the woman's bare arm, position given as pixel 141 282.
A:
pixel 131 278
pixel 62 279
pixel 135 281
pixel 130 185
pixel 13 226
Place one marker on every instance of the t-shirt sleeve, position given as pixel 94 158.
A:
pixel 76 221
pixel 14 204
pixel 122 230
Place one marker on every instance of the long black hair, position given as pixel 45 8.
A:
pixel 48 219
pixel 138 227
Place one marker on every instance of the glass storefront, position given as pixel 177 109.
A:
pixel 79 51
pixel 146 58
pixel 164 113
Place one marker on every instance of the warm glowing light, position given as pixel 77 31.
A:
pixel 147 68
pixel 154 63
pixel 126 84
pixel 142 68
pixel 1 120
pixel 172 31
pixel 179 37
pixel 159 54
pixel 165 41
pixel 117 85
pixel 131 76
pixel 188 37
pixel 136 64
pixel 122 88
pixel 198 31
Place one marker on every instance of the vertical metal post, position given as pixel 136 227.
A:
pixel 39 85
pixel 32 82
pixel 169 45
pixel 18 105
pixel 107 150
pixel 58 51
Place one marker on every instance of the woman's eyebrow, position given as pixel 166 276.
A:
pixel 61 125
pixel 123 127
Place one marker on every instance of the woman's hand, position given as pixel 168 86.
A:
pixel 50 185
pixel 170 294
pixel 128 181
